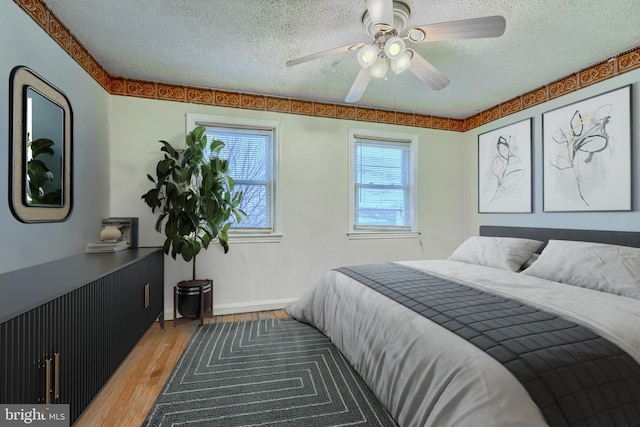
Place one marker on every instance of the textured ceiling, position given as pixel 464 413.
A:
pixel 243 45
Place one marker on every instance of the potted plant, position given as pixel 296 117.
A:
pixel 194 196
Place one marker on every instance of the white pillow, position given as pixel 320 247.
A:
pixel 507 253
pixel 608 268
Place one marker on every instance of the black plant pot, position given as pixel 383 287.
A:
pixel 189 297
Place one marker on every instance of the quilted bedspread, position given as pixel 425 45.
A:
pixel 484 370
pixel 574 375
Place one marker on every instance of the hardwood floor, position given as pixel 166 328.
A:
pixel 130 393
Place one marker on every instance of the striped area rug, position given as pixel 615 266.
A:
pixel 277 372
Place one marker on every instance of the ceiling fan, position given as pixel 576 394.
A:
pixel 385 21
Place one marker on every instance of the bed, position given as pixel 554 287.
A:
pixel 519 327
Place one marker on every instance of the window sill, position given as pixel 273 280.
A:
pixel 255 238
pixel 361 235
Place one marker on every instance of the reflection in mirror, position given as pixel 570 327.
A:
pixel 45 155
pixel 41 138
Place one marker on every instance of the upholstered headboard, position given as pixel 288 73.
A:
pixel 624 238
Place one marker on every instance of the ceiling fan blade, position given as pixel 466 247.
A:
pixel 380 12
pixel 359 85
pixel 475 28
pixel 324 53
pixel 427 72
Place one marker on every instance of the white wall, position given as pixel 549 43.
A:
pixel 314 202
pixel 629 221
pixel 22 42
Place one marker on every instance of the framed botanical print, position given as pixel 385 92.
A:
pixel 504 169
pixel 587 154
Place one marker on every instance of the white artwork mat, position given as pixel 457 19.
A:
pixel 504 169
pixel 587 154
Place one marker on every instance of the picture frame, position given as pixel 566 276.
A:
pixel 505 169
pixel 587 154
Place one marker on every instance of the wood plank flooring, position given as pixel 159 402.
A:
pixel 130 393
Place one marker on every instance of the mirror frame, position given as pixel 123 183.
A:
pixel 21 79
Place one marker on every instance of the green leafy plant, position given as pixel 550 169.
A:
pixel 194 196
pixel 39 175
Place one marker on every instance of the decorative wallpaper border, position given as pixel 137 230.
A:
pixel 619 64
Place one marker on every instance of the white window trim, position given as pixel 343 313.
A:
pixel 412 139
pixel 275 236
pixel 366 235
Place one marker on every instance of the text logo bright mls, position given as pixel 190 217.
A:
pixel 38 415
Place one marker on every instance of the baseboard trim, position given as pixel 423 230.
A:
pixel 247 307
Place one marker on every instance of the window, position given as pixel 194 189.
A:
pixel 250 147
pixel 383 184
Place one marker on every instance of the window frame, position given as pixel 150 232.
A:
pixel 237 234
pixel 384 232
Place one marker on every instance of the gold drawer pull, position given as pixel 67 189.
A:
pixel 56 374
pixel 47 394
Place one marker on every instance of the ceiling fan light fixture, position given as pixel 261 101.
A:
pixel 385 21
pixel 401 63
pixel 394 47
pixel 367 56
pixel 379 69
